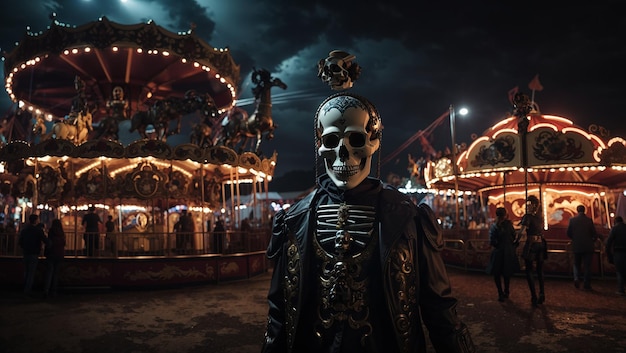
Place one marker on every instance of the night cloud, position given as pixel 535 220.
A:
pixel 416 62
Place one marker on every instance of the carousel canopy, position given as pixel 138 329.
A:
pixel 552 149
pixel 147 61
pixel 162 75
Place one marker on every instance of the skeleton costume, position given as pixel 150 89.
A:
pixel 357 264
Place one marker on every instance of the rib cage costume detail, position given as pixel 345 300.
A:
pixel 343 242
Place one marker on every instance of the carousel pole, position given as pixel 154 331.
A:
pixel 35 187
pixel 452 115
pixel 523 106
pixel 202 193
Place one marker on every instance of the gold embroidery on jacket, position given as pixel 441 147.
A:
pixel 292 281
pixel 403 275
pixel 344 242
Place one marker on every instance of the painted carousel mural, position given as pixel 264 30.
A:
pixel 529 153
pixel 142 124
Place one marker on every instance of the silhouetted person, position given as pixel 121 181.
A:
pixel 54 257
pixel 502 263
pixel 535 249
pixel 184 230
pixel 109 226
pixel 31 239
pixel 583 234
pixel 245 225
pixel 616 251
pixel 219 232
pixel 190 228
pixel 91 222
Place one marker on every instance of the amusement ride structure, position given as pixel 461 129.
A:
pixel 529 153
pixel 140 123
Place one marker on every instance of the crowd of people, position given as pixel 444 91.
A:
pixel 504 240
pixel 32 238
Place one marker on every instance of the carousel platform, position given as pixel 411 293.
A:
pixel 134 264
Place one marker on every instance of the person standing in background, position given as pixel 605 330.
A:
pixel 219 232
pixel 189 228
pixel 110 236
pixel 91 222
pixel 32 237
pixel 502 263
pixel 54 257
pixel 616 252
pixel 583 234
pixel 535 249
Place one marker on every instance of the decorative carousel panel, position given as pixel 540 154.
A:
pixel 549 148
pixel 267 167
pixel 501 151
pixel 188 151
pixel 177 185
pixel 147 180
pixel 211 188
pixel 15 150
pixel 94 184
pixel 250 160
pixel 220 155
pixel 50 184
pixel 145 148
pixel 100 148
pixel 54 147
pixel 615 153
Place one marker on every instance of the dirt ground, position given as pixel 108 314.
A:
pixel 230 317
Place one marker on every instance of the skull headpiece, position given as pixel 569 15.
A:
pixel 118 93
pixel 338 70
pixel 348 132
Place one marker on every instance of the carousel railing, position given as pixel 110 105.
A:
pixel 473 254
pixel 159 244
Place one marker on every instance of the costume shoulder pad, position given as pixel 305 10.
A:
pixel 278 234
pixel 428 225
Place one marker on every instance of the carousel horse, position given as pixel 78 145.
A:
pixel 238 127
pixel 39 126
pixel 117 111
pixel 201 135
pixel 161 113
pixel 75 131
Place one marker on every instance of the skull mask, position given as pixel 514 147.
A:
pixel 349 130
pixel 338 70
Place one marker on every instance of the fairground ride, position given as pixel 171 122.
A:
pixel 101 112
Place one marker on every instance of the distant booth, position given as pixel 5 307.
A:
pixel 143 174
pixel 543 155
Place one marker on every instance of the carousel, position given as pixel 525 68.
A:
pixel 529 153
pixel 141 124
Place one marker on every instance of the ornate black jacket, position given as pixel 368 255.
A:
pixel 395 283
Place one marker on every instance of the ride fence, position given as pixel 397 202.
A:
pixel 130 244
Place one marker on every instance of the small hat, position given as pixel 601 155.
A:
pixel 533 199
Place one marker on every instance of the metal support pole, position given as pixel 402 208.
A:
pixel 454 167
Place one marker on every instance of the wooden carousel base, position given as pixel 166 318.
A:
pixel 144 272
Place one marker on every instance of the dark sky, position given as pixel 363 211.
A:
pixel 415 61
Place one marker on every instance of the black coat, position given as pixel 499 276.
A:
pixel 503 261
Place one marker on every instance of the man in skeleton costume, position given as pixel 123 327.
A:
pixel 357 264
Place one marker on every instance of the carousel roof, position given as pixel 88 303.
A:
pixel 146 60
pixel 150 64
pixel 556 151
